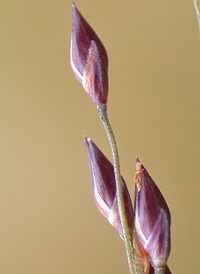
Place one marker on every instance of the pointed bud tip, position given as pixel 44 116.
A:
pixel 86 138
pixel 87 141
pixel 137 160
pixel 73 5
pixel 74 9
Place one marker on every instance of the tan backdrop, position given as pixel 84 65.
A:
pixel 48 220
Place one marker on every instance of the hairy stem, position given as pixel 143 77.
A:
pixel 111 138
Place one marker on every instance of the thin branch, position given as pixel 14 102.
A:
pixel 127 238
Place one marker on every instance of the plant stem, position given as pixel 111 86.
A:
pixel 120 201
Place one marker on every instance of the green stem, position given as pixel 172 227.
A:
pixel 127 237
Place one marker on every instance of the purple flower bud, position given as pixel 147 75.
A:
pixel 104 189
pixel 88 59
pixel 151 218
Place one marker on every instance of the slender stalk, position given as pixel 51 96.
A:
pixel 111 138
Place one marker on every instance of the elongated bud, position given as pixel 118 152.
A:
pixel 88 59
pixel 104 188
pixel 151 219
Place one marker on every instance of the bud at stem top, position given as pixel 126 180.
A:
pixel 88 59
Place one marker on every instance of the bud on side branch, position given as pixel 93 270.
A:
pixel 151 218
pixel 104 189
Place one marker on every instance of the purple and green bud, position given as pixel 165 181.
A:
pixel 151 219
pixel 89 60
pixel 104 189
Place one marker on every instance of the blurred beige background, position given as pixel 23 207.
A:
pixel 48 220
